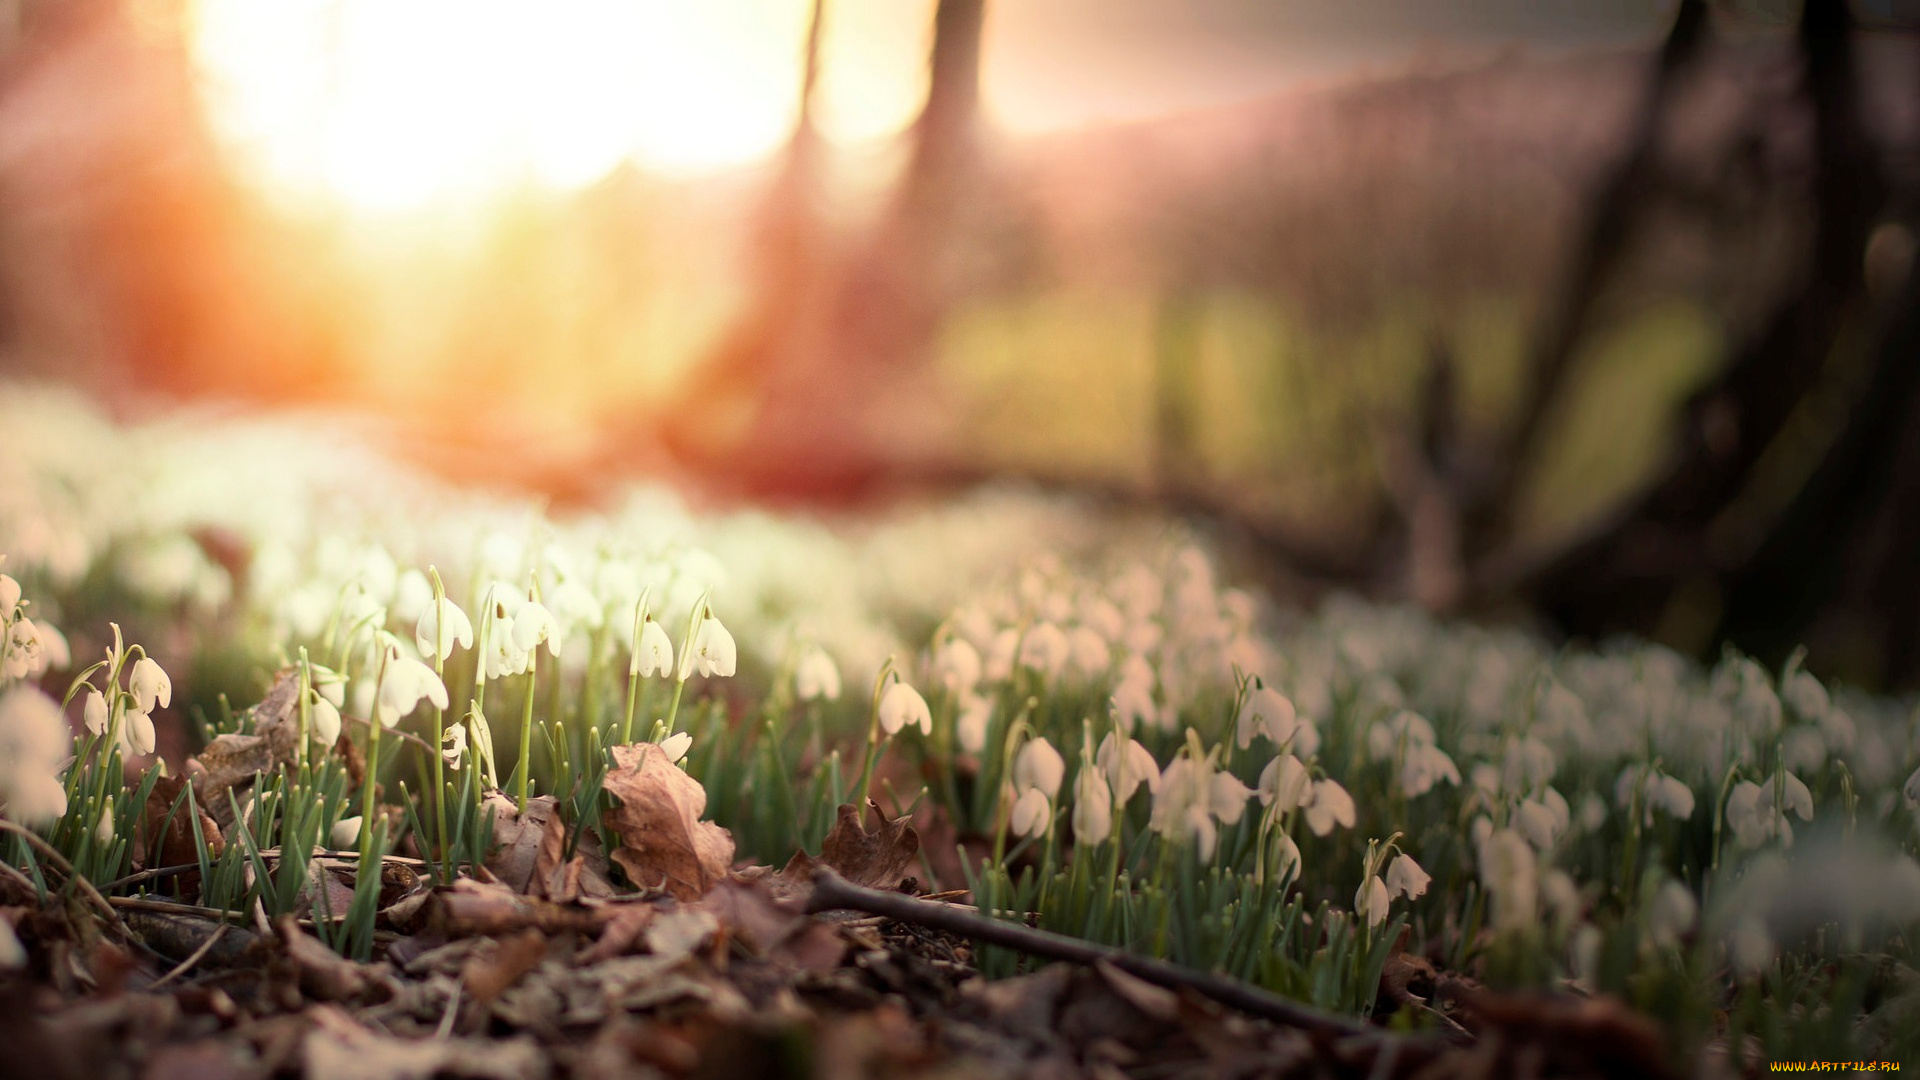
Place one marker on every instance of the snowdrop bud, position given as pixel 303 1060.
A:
pixel 1672 914
pixel 1039 766
pixel 9 596
pixel 976 712
pixel 1092 806
pixel 325 720
pixel 654 653
pixel 441 625
pixel 150 685
pixel 1404 876
pixel 815 677
pixel 676 745
pixel 345 834
pixel 1371 900
pixel 140 738
pixel 1329 806
pixel 1266 712
pixel 103 832
pixel 902 705
pixel 1032 813
pixel 94 712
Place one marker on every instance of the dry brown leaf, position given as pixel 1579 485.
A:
pixel 488 972
pixel 877 859
pixel 325 975
pixel 337 1045
pixel 469 908
pixel 530 849
pixel 663 842
pixel 176 846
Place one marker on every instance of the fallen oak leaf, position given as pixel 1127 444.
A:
pixel 663 842
pixel 876 860
pixel 165 836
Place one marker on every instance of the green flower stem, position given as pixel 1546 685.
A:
pixel 443 851
pixel 525 769
pixel 872 756
pixel 368 801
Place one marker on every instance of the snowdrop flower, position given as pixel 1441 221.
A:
pixel 1425 766
pixel 24 656
pixel 455 749
pixel 1542 820
pixel 1127 765
pixel 33 745
pixel 1405 728
pixel 1088 650
pixel 1038 766
pixel 1749 946
pixel 654 653
pixel 1132 701
pixel 976 712
pixel 1328 806
pixel 712 650
pixel 902 705
pixel 574 606
pixel 150 685
pixel 1266 712
pixel 1404 876
pixel 1805 695
pixel 1754 818
pixel 441 625
pixel 9 596
pixel 1284 785
pixel 1672 914
pixel 998 665
pixel 1044 649
pixel 534 625
pixel 137 737
pixel 328 683
pixel 1561 895
pixel 103 829
pixel 1371 901
pixel 1511 873
pixel 1227 797
pixel 1032 813
pixel 815 677
pixel 956 665
pixel 676 745
pixel 1658 790
pixel 404 683
pixel 1092 806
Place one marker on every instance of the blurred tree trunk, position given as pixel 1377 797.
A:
pixel 818 368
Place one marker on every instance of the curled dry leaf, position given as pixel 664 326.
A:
pixel 166 835
pixel 530 851
pixel 663 842
pixel 877 860
pixel 231 761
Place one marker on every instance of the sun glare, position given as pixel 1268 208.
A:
pixel 391 104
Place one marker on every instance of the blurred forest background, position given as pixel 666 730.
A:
pixel 1597 312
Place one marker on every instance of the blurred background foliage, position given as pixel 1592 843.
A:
pixel 1593 313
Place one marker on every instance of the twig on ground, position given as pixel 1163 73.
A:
pixel 193 958
pixel 833 892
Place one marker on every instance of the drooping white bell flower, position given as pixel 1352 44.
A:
pixel 1266 712
pixel 1132 702
pixel 1510 872
pixel 150 685
pixel 534 625
pixel 405 682
pixel 956 665
pixel 1032 813
pixel 1092 806
pixel 1039 766
pixel 1227 797
pixel 1329 806
pixel 1404 876
pixel 1424 766
pixel 33 745
pixel 328 683
pixel 711 651
pixel 1658 790
pixel 346 833
pixel 137 735
pixel 902 705
pixel 1672 914
pixel 1542 820
pixel 816 677
pixel 970 726
pixel 1284 785
pixel 654 653
pixel 441 626
pixel 1127 765
pixel 9 596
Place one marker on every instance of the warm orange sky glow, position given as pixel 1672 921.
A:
pixel 390 104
